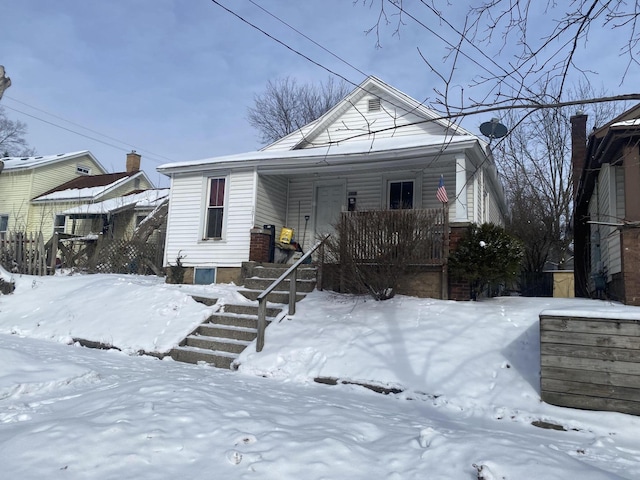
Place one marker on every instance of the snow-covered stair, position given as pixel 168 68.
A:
pixel 224 335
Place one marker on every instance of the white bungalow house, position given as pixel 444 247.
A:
pixel 376 149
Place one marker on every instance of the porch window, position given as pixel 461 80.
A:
pixel 215 208
pixel 4 222
pixel 401 195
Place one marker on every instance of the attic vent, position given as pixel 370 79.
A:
pixel 82 170
pixel 374 104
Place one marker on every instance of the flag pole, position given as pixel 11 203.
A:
pixel 445 251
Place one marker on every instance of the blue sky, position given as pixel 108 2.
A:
pixel 173 79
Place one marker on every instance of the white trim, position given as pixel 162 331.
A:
pixel 462 214
pixel 204 214
pixel 415 177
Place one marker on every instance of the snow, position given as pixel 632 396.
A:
pixel 17 163
pixel 362 148
pixel 467 371
pixel 146 199
pixel 86 193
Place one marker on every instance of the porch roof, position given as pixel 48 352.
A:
pixel 347 153
pixel 147 199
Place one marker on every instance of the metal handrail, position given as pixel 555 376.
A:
pixel 262 298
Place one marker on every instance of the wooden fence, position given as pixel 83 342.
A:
pixel 102 255
pixel 23 253
pixel 416 236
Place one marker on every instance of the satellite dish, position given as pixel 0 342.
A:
pixel 493 129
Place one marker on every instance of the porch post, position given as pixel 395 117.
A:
pixel 461 190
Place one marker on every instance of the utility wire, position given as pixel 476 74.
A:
pixel 80 126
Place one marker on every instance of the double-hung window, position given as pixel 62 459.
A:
pixel 401 194
pixel 215 208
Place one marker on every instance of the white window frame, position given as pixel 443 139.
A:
pixel 223 208
pixel 4 216
pixel 416 178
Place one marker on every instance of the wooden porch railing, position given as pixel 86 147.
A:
pixel 416 235
pixel 291 273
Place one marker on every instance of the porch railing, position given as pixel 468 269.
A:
pixel 291 273
pixel 415 235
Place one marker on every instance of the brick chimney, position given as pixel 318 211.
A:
pixel 133 161
pixel 578 147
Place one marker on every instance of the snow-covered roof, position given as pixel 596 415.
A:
pixel 346 136
pixel 88 188
pixel 24 163
pixel 627 123
pixel 86 193
pixel 349 151
pixel 147 199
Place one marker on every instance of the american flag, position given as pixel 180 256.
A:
pixel 441 194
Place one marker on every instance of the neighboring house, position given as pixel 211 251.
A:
pixel 118 217
pixel 94 204
pixel 376 149
pixel 24 178
pixel 607 207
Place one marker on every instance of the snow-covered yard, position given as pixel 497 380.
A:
pixel 468 375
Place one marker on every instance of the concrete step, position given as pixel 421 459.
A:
pixel 274 270
pixel 273 297
pixel 225 331
pixel 256 283
pixel 234 320
pixel 189 354
pixel 247 309
pixel 215 343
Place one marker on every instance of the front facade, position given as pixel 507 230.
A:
pixel 607 208
pixel 24 178
pixel 377 149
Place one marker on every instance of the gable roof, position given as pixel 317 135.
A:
pixel 313 147
pixel 405 110
pixel 88 188
pixel 30 163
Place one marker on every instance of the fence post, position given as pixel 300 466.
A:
pixel 54 252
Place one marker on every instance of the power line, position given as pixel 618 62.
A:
pixel 310 39
pixel 82 134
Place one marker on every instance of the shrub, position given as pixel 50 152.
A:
pixel 486 255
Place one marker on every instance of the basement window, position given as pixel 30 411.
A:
pixel 374 104
pixel 204 276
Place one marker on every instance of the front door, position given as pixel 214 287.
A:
pixel 329 200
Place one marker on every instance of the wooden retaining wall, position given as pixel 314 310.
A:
pixel 590 363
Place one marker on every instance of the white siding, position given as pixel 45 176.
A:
pixel 357 120
pixel 369 188
pixel 186 221
pixel 271 202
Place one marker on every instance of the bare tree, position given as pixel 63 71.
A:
pixel 12 141
pixel 512 46
pixel 535 162
pixel 285 106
